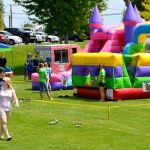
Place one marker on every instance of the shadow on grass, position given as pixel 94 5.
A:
pixel 18 70
pixel 77 98
pixel 30 89
pixel 65 96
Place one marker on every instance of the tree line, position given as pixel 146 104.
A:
pixel 143 7
pixel 1 15
pixel 66 16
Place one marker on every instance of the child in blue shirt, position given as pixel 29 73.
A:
pixel 48 74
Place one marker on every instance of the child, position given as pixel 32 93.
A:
pixel 6 94
pixel 43 81
pixel 48 74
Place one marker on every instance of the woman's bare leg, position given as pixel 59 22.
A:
pixel 1 130
pixel 102 93
pixel 4 124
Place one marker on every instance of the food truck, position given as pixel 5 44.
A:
pixel 60 59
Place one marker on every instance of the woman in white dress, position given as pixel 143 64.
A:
pixel 7 93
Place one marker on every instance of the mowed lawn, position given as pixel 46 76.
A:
pixel 111 125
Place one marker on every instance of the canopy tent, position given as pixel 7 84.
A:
pixel 6 48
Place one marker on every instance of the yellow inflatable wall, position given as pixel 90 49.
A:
pixel 107 59
pixel 141 59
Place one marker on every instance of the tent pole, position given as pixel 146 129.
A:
pixel 12 60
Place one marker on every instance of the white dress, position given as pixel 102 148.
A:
pixel 5 99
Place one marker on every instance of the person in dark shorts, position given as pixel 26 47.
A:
pixel 101 82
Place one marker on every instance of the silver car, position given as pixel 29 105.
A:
pixel 52 38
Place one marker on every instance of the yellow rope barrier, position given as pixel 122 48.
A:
pixel 61 103
pixel 92 106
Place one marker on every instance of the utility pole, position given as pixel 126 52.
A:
pixel 11 17
pixel 9 22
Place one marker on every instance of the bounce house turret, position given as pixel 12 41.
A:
pixel 130 20
pixel 137 14
pixel 95 20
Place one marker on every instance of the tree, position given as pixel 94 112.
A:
pixel 143 7
pixel 138 3
pixel 63 16
pixel 146 12
pixel 28 25
pixel 1 15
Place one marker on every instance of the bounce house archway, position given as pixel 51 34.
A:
pixel 140 33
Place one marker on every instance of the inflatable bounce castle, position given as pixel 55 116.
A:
pixel 124 52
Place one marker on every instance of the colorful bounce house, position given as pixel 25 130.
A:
pixel 124 52
pixel 60 58
pixel 6 48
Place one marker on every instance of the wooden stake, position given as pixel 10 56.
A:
pixel 108 112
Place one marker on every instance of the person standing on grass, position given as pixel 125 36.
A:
pixel 7 93
pixel 29 58
pixel 48 74
pixel 3 61
pixel 101 82
pixel 35 63
pixel 29 70
pixel 42 81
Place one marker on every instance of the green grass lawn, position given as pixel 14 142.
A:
pixel 125 127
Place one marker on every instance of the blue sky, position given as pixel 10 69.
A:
pixel 20 18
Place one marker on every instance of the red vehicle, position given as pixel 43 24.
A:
pixel 3 38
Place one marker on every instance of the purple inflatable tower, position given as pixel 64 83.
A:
pixel 95 20
pixel 130 20
pixel 137 14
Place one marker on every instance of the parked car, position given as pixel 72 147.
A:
pixel 75 38
pixel 3 38
pixel 40 37
pixel 52 38
pixel 78 38
pixel 26 36
pixel 11 39
pixel 29 29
